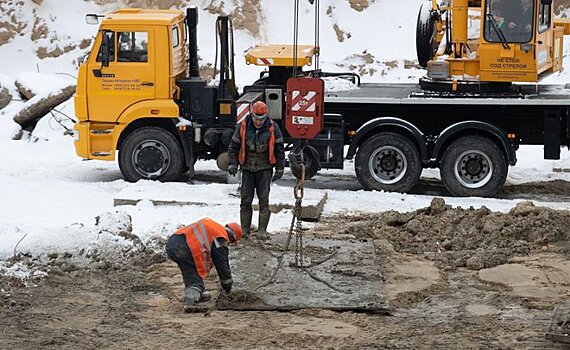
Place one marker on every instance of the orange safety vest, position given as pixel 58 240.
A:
pixel 199 237
pixel 242 134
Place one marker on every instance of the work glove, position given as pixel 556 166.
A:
pixel 232 169
pixel 278 174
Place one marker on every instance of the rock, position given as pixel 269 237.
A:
pixel 414 226
pixel 438 206
pixel 523 209
pixel 475 263
pixel 39 106
pixel 114 222
pixel 24 91
pixel 493 225
pixel 5 97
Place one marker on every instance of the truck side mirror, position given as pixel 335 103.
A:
pixel 546 2
pixel 92 18
pixel 106 50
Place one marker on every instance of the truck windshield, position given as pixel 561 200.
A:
pixel 508 21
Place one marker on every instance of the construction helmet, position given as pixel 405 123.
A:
pixel 258 110
pixel 235 230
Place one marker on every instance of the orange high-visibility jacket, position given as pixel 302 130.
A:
pixel 242 135
pixel 199 237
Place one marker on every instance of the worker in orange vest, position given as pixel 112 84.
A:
pixel 196 248
pixel 257 147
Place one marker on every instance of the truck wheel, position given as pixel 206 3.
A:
pixel 150 153
pixel 389 162
pixel 473 166
pixel 426 30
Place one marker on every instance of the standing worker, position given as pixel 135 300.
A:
pixel 195 248
pixel 257 145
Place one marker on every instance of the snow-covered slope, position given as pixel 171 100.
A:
pixel 373 38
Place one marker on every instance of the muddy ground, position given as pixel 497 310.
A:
pixel 455 279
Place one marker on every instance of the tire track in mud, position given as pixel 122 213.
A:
pixel 554 191
pixel 544 191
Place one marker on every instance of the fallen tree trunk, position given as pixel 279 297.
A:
pixel 39 106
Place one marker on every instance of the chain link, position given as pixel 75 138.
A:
pixel 297 227
pixel 299 193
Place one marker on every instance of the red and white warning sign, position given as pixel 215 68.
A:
pixel 305 106
pixel 265 61
pixel 304 103
pixel 242 111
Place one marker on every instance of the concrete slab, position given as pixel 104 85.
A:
pixel 310 209
pixel 561 166
pixel 281 198
pixel 341 275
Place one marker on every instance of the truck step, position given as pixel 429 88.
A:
pixel 102 132
pixel 100 154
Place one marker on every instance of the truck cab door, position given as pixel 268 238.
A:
pixel 120 75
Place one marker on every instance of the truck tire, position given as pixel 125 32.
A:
pixel 473 166
pixel 426 30
pixel 151 153
pixel 389 162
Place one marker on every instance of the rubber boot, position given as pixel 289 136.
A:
pixel 206 296
pixel 263 222
pixel 192 296
pixel 245 220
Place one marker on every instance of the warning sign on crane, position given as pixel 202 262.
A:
pixel 305 102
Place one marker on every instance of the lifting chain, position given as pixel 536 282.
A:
pixel 296 225
pixel 298 192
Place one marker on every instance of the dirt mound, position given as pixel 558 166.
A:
pixel 123 293
pixel 457 237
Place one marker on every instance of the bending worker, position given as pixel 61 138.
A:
pixel 257 146
pixel 195 248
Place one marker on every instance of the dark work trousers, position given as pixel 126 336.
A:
pixel 177 250
pixel 255 181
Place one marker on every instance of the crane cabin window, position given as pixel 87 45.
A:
pixel 544 14
pixel 132 47
pixel 175 37
pixel 508 21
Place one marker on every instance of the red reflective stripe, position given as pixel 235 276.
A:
pixel 243 127
pixel 303 103
pixel 272 159
pixel 297 96
pixel 242 111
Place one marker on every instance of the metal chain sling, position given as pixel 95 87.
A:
pixel 298 192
